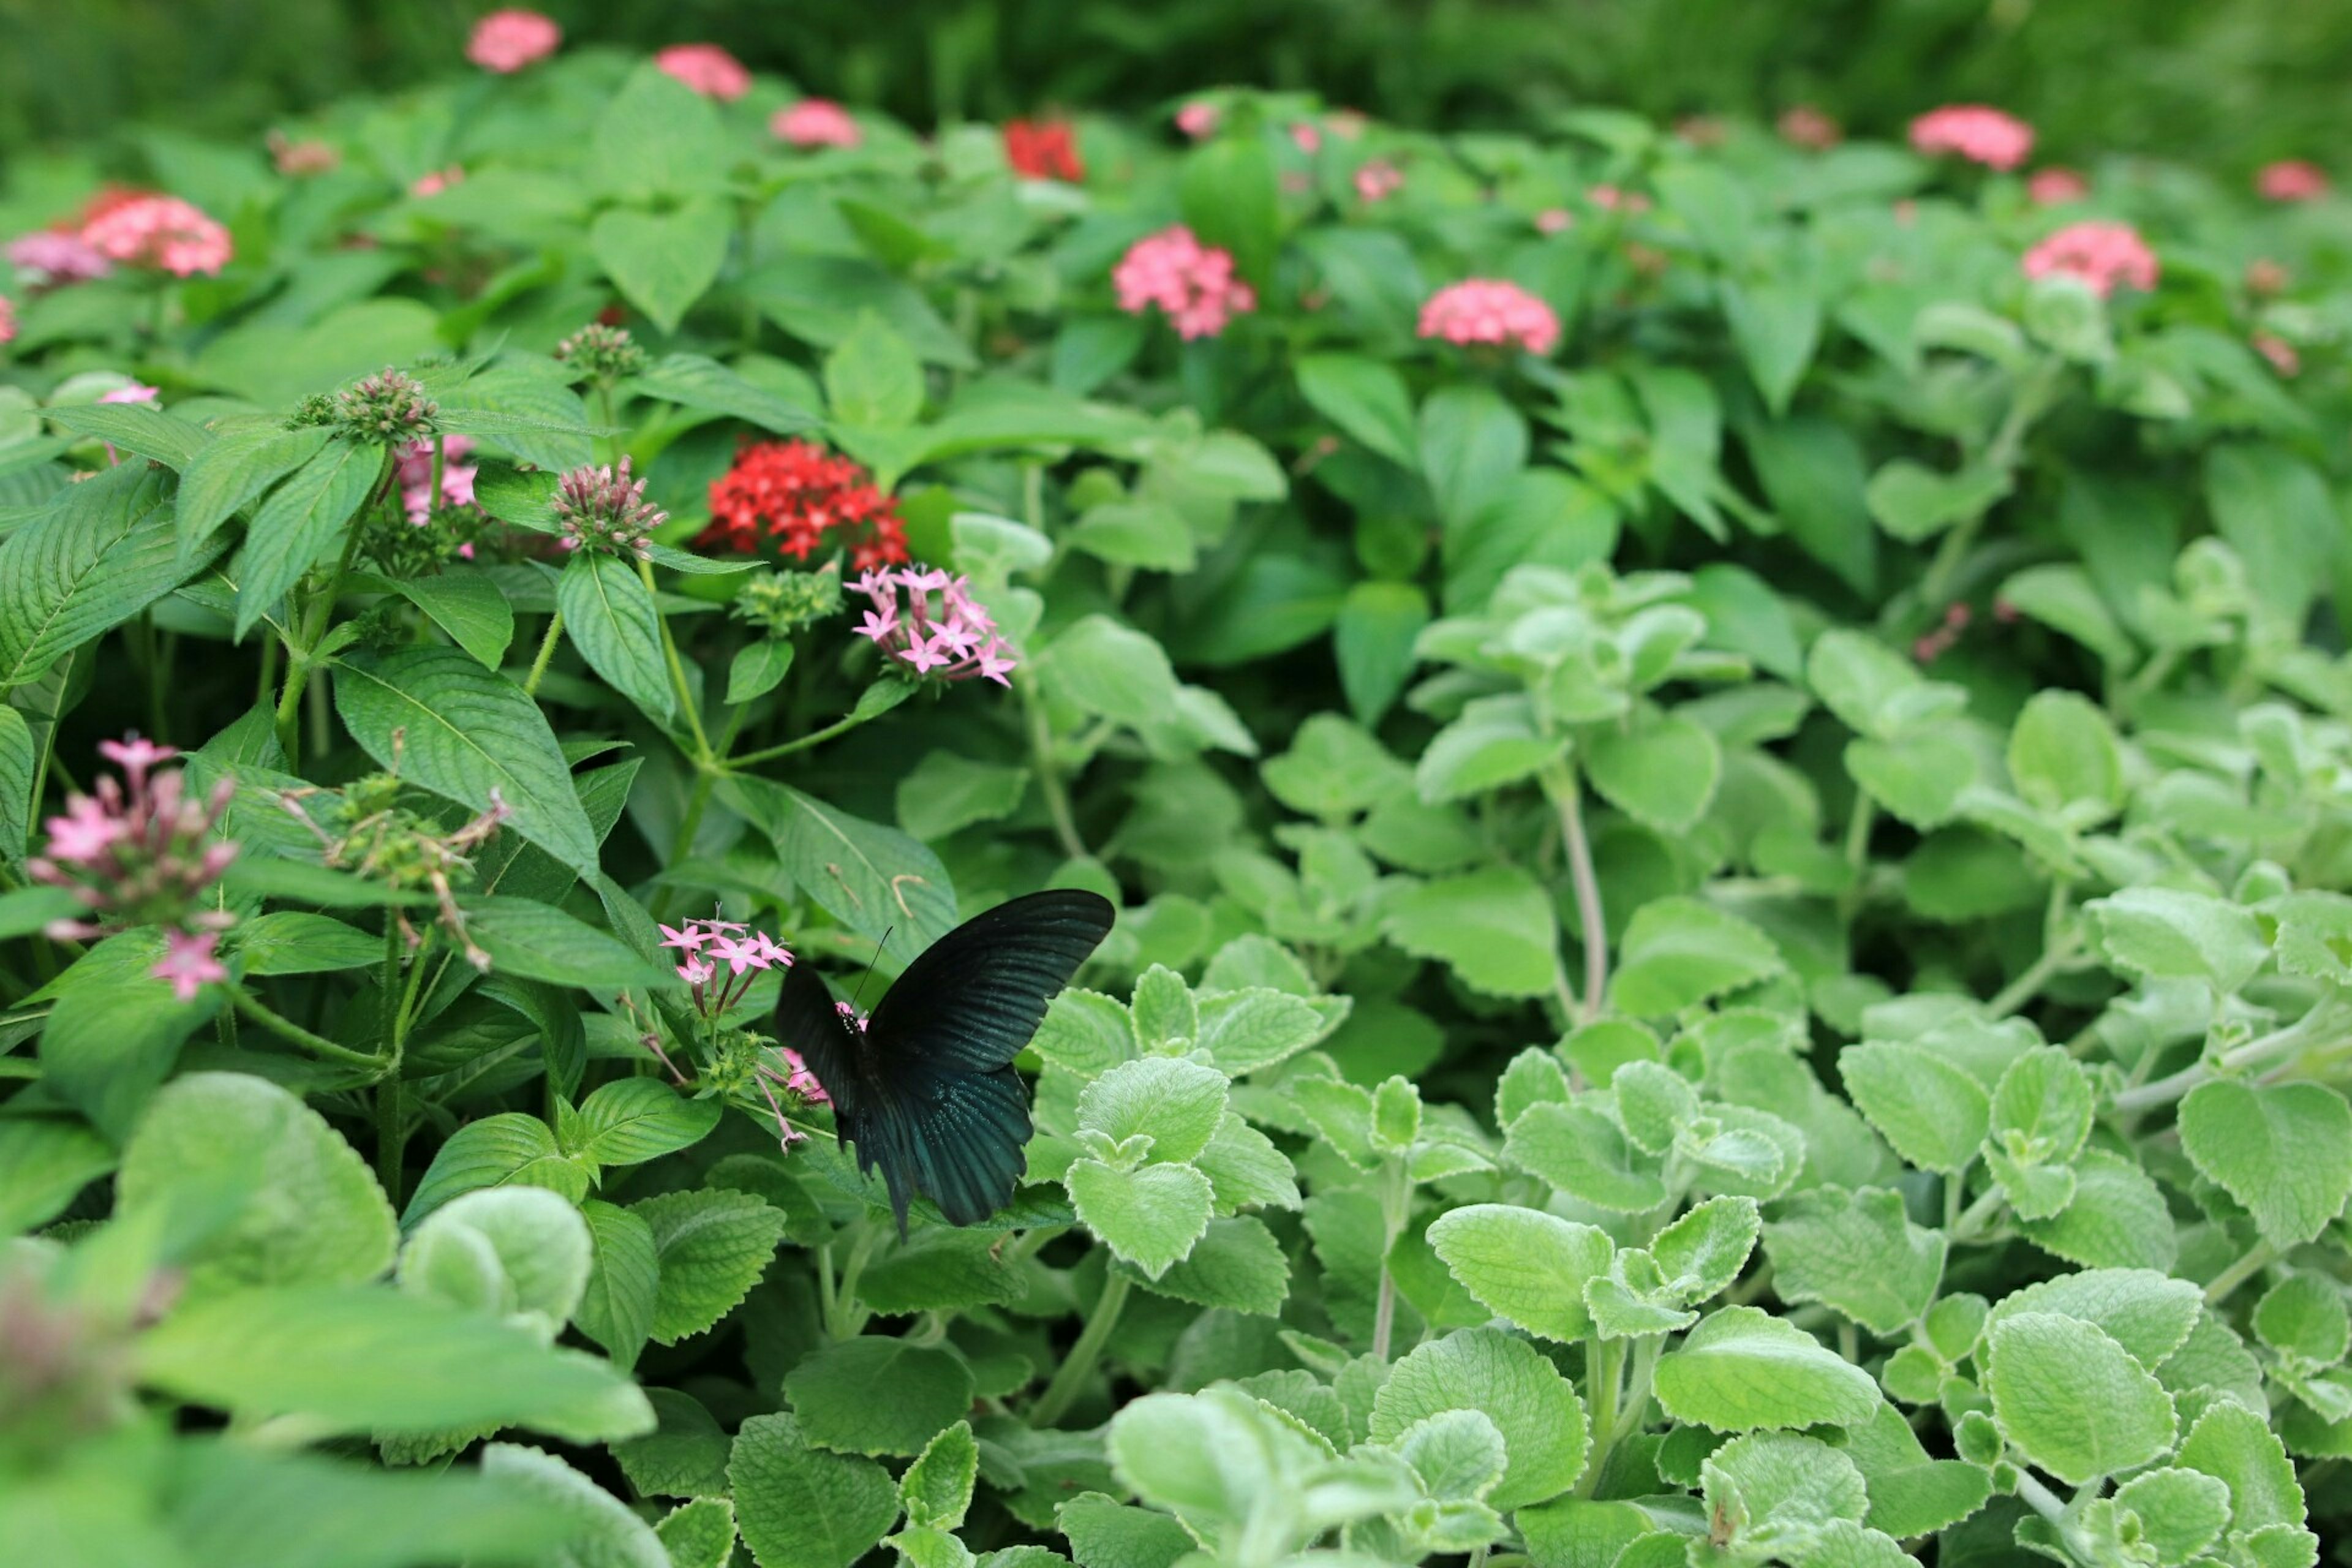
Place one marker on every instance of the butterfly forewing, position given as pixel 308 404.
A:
pixel 927 1092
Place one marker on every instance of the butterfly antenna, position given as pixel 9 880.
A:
pixel 870 966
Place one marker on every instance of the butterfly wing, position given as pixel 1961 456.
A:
pixel 927 1092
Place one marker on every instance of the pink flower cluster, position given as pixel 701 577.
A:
pixel 707 68
pixel 142 855
pixel 954 642
pixel 417 480
pixel 506 41
pixel 1192 282
pixel 1379 180
pixel 297 159
pixel 1489 311
pixel 2055 186
pixel 1554 220
pixel 2292 181
pixel 158 231
pixel 7 320
pixel 602 510
pixel 1979 134
pixel 2101 254
pixel 815 122
pixel 56 256
pixel 720 957
pixel 1802 125
pixel 1198 120
pixel 433 182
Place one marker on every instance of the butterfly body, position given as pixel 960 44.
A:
pixel 925 1091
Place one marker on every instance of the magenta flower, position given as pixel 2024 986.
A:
pixel 956 641
pixel 189 962
pixel 815 122
pixel 2055 186
pixel 433 182
pixel 139 851
pixel 52 256
pixel 1307 137
pixel 707 68
pixel 2101 254
pixel 720 961
pixel 1979 134
pixel 1379 180
pixel 162 232
pixel 1192 283
pixel 137 392
pixel 1554 220
pixel 415 476
pixel 506 41
pixel 2293 180
pixel 1489 311
pixel 1198 120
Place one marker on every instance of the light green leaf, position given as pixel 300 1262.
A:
pixel 1247 1030
pixel 1365 398
pixel 1494 743
pixel 507 1147
pixel 2146 1313
pixel 2283 1150
pixel 467 733
pixel 948 792
pixel 1507 1380
pixel 800 1506
pixel 873 1395
pixel 1934 1113
pixel 2165 933
pixel 1858 1253
pixel 1104 1532
pixel 2118 1218
pixel 1471 444
pixel 115 1030
pixel 1701 1253
pixel 143 429
pixel 295 941
pixel 1583 1153
pixel 696 380
pixel 1742 1368
pixel 1086 1033
pixel 1678 952
pixel 43 1163
pixel 662 262
pixel 869 878
pixel 713 1245
pixel 1913 501
pixel 937 1489
pixel 1177 1103
pixel 1109 670
pixel 873 379
pixel 686 1457
pixel 519 1254
pixel 2063 757
pixel 1149 1217
pixel 616 1309
pixel 1660 769
pixel 609 615
pixel 698 1535
pixel 1524 1264
pixel 633 1120
pixel 2305 1315
pixel 2236 1445
pixel 2071 1399
pixel 1493 928
pixel 1235 1266
pixel 602 1531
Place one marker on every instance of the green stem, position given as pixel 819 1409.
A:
pixel 846 1317
pixel 286 1029
pixel 693 710
pixel 1560 783
pixel 838 727
pixel 1079 1364
pixel 1857 852
pixel 2322 1021
pixel 546 654
pixel 2044 1502
pixel 2225 1283
pixel 1604 1361
pixel 391 1140
pixel 1049 776
pixel 1972 1220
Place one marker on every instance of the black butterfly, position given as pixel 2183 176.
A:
pixel 927 1090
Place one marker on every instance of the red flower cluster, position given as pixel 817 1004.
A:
pixel 1043 150
pixel 795 498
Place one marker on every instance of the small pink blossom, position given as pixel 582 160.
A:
pixel 687 938
pixel 135 393
pixel 1555 220
pixel 2101 254
pixel 506 41
pixel 415 476
pixel 1976 132
pixel 707 68
pixel 7 320
pixel 1192 283
pixel 801 1082
pixel 297 159
pixel 136 756
pixel 158 231
pixel 1379 180
pixel 601 509
pixel 1198 120
pixel 2266 278
pixel 2279 351
pixel 137 851
pixel 433 182
pixel 86 831
pixel 1489 311
pixel 189 962
pixel 721 960
pixel 2293 180
pixel 1802 125
pixel 955 640
pixel 52 256
pixel 1610 199
pixel 1308 139
pixel 2055 186
pixel 815 122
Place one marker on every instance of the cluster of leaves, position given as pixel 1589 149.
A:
pixel 1731 954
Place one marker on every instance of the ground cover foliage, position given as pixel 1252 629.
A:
pixel 1722 761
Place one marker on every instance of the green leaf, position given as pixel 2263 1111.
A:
pixel 143 429
pixel 42 1164
pixel 698 1535
pixel 2147 1314
pixel 1494 742
pixel 2180 1512
pixel 103 552
pixel 657 138
pixel 1472 443
pixel 1778 326
pixel 1104 1532
pixel 491 1152
pixel 466 733
pixel 662 262
pixel 1811 469
pixel 1507 1380
pixel 873 1395
pixel 1524 1265
pixel 1874 691
pixel 1659 769
pixel 633 1120
pixel 1742 1368
pixel 1678 952
pixel 1365 398
pixel 1700 1254
pixel 1245 1170
pixel 295 941
pixel 1581 1152
pixel 2063 598
pixel 2165 933
pixel 2072 1400
pixel 869 878
pixel 1230 198
pixel 1373 642
pixel 312 1213
pixel 2063 757
pixel 948 792
pixel 302 520
pixel 616 1310
pixel 17 759
pixel 1919 778
pixel 2305 1315
pixel 2283 1150
pixel 686 1457
pixel 873 379
pixel 355 1358
pixel 695 381
pixel 601 1531
pixel 1857 1252
pixel 1237 1266
pixel 937 1489
pixel 1493 928
pixel 1911 1494
pixel 609 615
pixel 519 1254
pixel 531 940
pixel 2118 1218
pixel 2236 1446
pixel 800 1506
pixel 1086 1033
pixel 2275 511
pixel 756 669
pixel 115 1030
pixel 1149 1217
pixel 1109 670
pixel 713 1245
pixel 1934 1113
pixel 229 474
pixel 1176 1104
pixel 1914 503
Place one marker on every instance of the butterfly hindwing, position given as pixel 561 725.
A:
pixel 927 1093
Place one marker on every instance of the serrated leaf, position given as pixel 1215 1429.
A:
pixel 231 473
pixel 1857 1252
pixel 873 1395
pixel 1237 1266
pixel 713 1245
pixel 103 550
pixel 1934 1113
pixel 616 1310
pixel 1581 1152
pixel 1149 1217
pixel 1524 1264
pixel 300 522
pixel 1536 1409
pixel 1177 1103
pixel 1493 928
pixel 2284 1151
pixel 800 1506
pixel 1678 952
pixel 2165 933
pixel 42 1164
pixel 2071 1399
pixel 1661 770
pixel 609 615
pixel 1742 1368
pixel 600 1529
pixel 497 1150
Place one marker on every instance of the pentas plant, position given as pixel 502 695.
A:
pixel 1719 751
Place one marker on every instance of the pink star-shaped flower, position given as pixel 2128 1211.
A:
pixel 695 970
pixel 85 832
pixel 685 938
pixel 737 955
pixel 189 962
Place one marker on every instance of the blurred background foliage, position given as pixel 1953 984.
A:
pixel 2227 84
